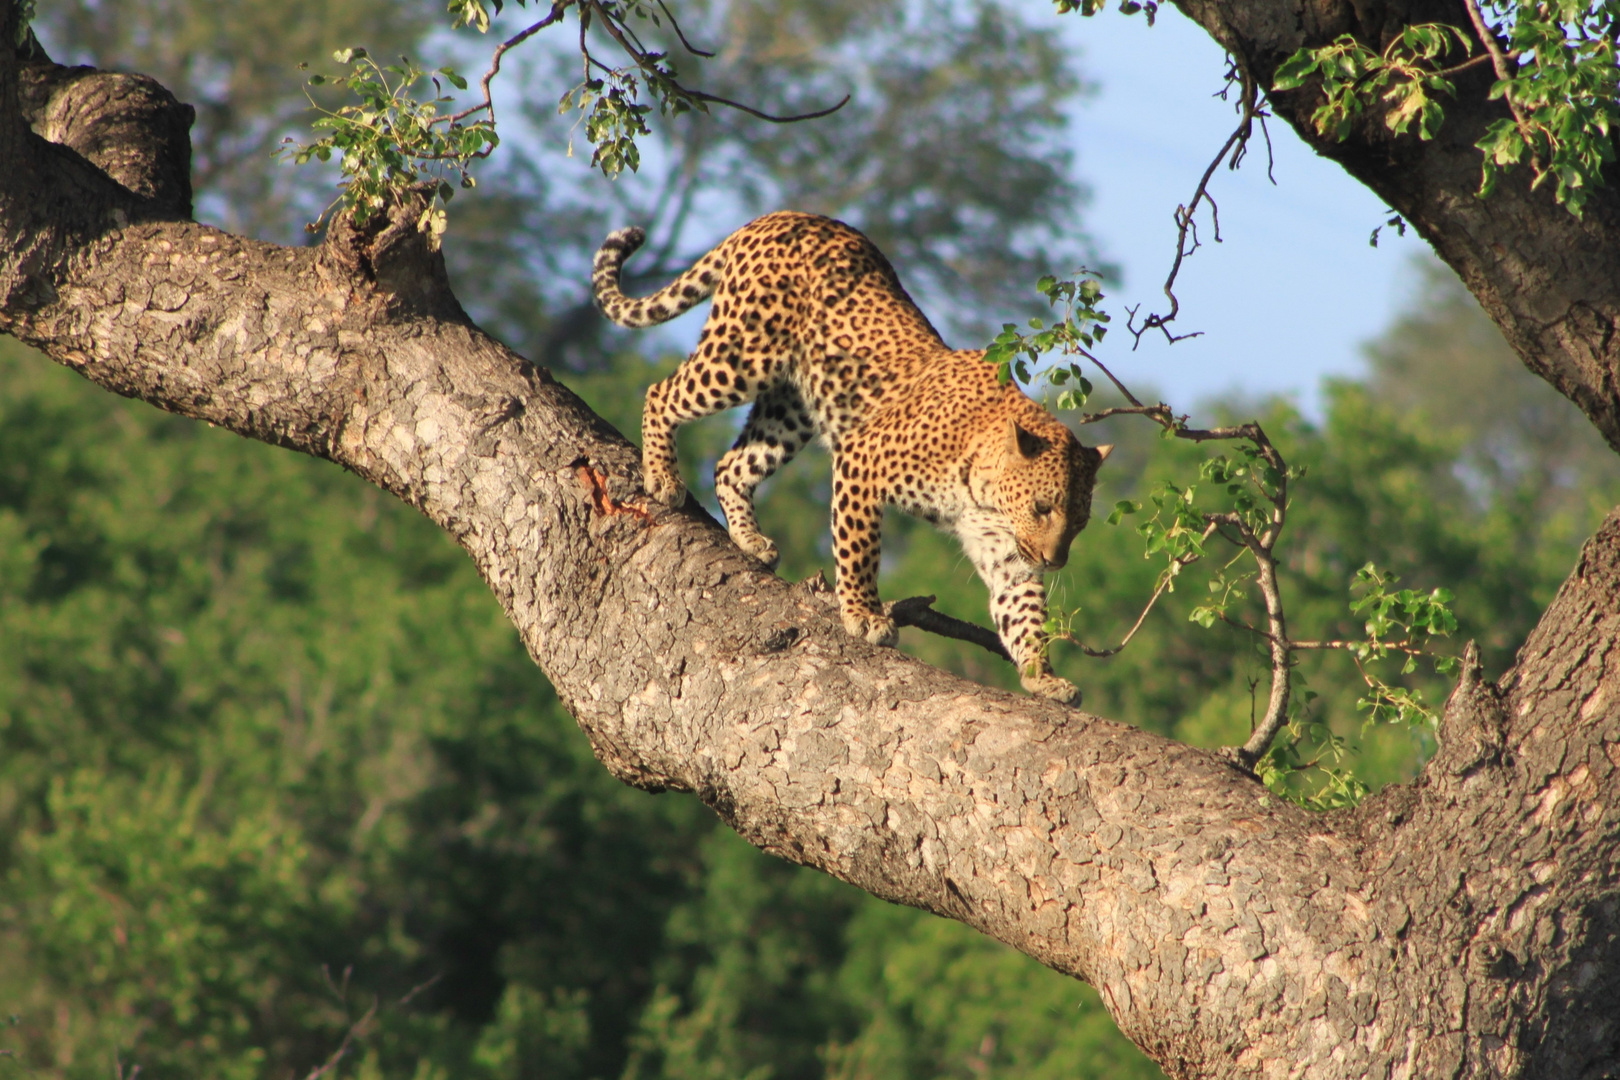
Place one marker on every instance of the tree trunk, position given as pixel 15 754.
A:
pixel 1547 278
pixel 1465 924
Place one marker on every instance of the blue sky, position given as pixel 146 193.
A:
pixel 1293 290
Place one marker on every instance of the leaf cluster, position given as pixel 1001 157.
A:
pixel 1403 78
pixel 1564 92
pixel 1089 8
pixel 1558 76
pixel 1081 326
pixel 390 139
pixel 1399 624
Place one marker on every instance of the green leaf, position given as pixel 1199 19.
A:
pixel 1122 508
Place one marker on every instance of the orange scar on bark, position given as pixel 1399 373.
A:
pixel 601 501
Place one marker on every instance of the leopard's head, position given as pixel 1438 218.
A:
pixel 1045 487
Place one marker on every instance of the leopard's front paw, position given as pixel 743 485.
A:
pixel 759 546
pixel 1047 685
pixel 874 626
pixel 664 485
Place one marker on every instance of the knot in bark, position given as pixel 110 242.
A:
pixel 396 251
pixel 128 126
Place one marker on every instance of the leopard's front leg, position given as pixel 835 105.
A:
pixel 1018 608
pixel 857 523
pixel 1017 602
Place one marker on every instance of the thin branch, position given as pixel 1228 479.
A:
pixel 361 1027
pixel 1482 58
pixel 676 26
pixel 1258 544
pixel 358 1030
pixel 1185 215
pixel 1403 647
pixel 768 117
pixel 917 611
pixel 1493 48
pixel 557 10
pixel 648 62
pixel 1130 397
pixel 1281 665
pixel 1159 590
pixel 1499 63
pixel 1150 411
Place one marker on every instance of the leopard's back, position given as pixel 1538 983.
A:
pixel 800 301
pixel 810 323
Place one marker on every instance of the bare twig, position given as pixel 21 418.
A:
pixel 1130 397
pixel 488 105
pixel 918 611
pixel 357 1031
pixel 1482 58
pixel 676 26
pixel 648 62
pixel 419 988
pixel 1185 215
pixel 363 1026
pixel 1153 412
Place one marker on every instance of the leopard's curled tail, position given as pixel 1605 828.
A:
pixel 680 295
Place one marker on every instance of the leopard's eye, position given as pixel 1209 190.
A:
pixel 1042 509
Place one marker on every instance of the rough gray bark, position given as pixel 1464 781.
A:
pixel 1467 924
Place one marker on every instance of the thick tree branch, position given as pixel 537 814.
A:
pixel 1230 932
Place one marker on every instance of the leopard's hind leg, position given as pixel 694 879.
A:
pixel 778 427
pixel 707 382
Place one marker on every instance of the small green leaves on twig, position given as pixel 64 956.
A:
pixel 613 120
pixel 1246 505
pixel 1564 94
pixel 1399 625
pixel 474 13
pixel 1314 750
pixel 1079 328
pixel 390 140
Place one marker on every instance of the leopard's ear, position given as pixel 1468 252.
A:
pixel 1103 451
pixel 1023 443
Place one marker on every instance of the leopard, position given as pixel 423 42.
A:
pixel 810 323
